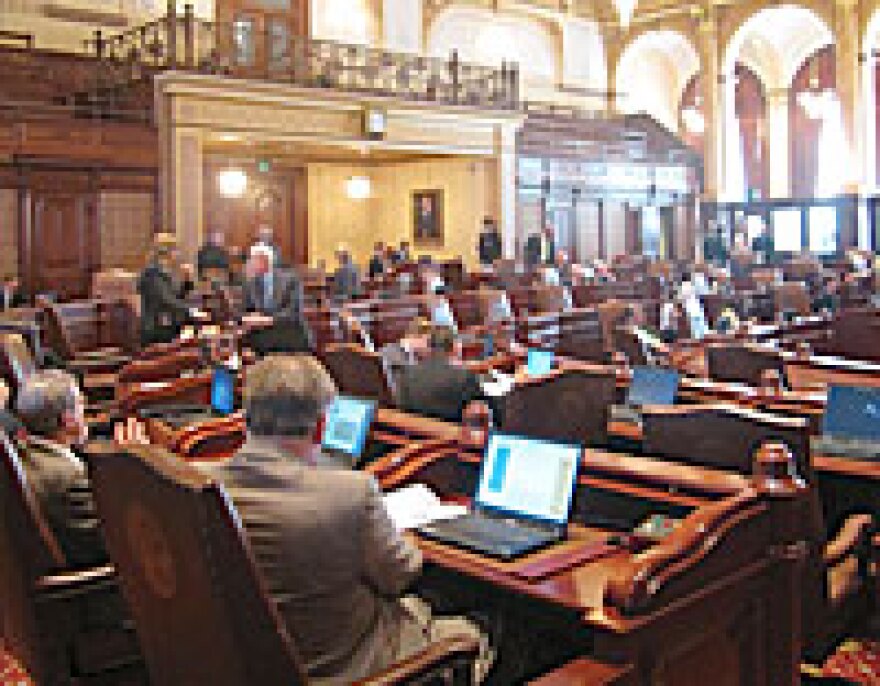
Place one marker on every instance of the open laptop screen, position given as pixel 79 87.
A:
pixel 652 386
pixel 852 412
pixel 442 315
pixel 346 423
pixel 528 477
pixel 540 362
pixel 222 391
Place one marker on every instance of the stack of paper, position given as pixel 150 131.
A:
pixel 417 505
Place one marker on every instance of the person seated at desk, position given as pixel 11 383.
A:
pixel 164 309
pixel 273 302
pixel 212 260
pixel 376 266
pixel 51 407
pixel 436 387
pixel 335 566
pixel 828 298
pixel 346 278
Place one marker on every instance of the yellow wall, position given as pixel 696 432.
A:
pixel 334 219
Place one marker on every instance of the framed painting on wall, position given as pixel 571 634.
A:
pixel 428 218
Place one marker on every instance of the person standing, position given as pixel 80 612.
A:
pixel 163 308
pixel 489 247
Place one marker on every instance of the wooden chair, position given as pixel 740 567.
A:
pixel 741 363
pixel 88 350
pixel 570 405
pixel 44 609
pixel 201 607
pixel 359 372
pixel 837 589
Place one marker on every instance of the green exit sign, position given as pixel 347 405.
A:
pixel 264 166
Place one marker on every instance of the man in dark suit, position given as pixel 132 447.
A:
pixel 376 266
pixel 273 301
pixel 489 247
pixel 163 308
pixel 436 387
pixel 540 248
pixel 52 409
pixel 212 260
pixel 334 563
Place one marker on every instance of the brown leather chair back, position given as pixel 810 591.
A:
pixel 200 607
pixel 570 405
pixel 792 296
pixel 722 436
pixel 17 362
pixel 742 363
pixel 359 372
pixel 161 368
pixel 29 551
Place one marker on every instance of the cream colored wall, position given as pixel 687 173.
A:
pixel 8 232
pixel 334 219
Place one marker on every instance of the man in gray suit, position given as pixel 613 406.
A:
pixel 334 563
pixel 346 278
pixel 273 301
pixel 52 409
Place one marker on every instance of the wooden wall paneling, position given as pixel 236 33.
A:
pixel 299 183
pixel 8 231
pixel 125 228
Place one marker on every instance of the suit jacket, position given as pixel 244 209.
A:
pixel 346 282
pixel 212 257
pixel 376 267
pixel 489 247
pixel 163 310
pixel 58 479
pixel 290 332
pixel 333 562
pixel 437 388
pixel 533 250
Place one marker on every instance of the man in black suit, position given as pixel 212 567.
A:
pixel 163 308
pixel 52 409
pixel 540 248
pixel 489 247
pixel 212 260
pixel 376 266
pixel 436 387
pixel 273 300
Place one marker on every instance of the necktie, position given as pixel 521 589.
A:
pixel 267 291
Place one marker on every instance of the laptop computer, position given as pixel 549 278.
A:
pixel 346 425
pixel 851 424
pixel 649 386
pixel 540 362
pixel 523 499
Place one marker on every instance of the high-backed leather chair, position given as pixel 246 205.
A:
pixel 95 356
pixel 359 372
pixel 740 363
pixel 44 609
pixel 792 296
pixel 722 436
pixel 569 405
pixel 200 605
pixel 837 589
pixel 17 362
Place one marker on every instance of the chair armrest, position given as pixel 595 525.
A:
pixel 587 671
pixel 457 653
pixel 853 539
pixel 67 585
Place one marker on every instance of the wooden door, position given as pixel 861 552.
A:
pixel 62 242
pixel 259 32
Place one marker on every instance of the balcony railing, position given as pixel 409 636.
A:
pixel 187 43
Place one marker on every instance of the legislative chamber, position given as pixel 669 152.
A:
pixel 439 342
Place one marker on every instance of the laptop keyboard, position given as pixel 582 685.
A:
pixel 835 446
pixel 488 534
pixel 626 414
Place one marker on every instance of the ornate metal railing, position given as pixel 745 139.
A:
pixel 184 42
